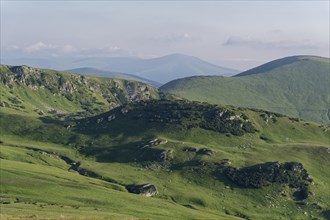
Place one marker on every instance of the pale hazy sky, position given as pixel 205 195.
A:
pixel 238 34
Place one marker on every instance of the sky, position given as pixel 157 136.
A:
pixel 236 34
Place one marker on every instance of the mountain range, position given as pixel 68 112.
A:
pixel 160 70
pixel 296 86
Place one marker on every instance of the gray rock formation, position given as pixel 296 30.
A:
pixel 144 189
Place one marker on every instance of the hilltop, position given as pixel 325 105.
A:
pixel 280 63
pixel 295 86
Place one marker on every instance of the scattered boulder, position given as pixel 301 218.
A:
pixel 99 120
pixel 284 193
pixel 224 162
pixel 264 138
pixel 124 111
pixel 166 155
pixel 202 163
pixel 269 115
pixel 144 189
pixel 163 142
pixel 190 149
pixel 53 111
pixel 206 151
pixel 232 117
pixel 221 113
pixel 203 151
pixel 148 153
pixel 154 142
pixel 111 117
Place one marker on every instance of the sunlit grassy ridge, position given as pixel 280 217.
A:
pixel 294 86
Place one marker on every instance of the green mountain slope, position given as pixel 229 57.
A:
pixel 196 155
pixel 53 93
pixel 294 86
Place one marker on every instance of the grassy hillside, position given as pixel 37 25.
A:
pixel 191 152
pixel 48 92
pixel 294 86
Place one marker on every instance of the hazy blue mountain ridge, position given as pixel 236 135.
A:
pixel 161 69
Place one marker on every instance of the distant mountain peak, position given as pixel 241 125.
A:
pixel 177 55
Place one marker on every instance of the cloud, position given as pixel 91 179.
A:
pixel 68 49
pixel 114 51
pixel 44 49
pixel 271 44
pixel 178 37
pixel 174 38
pixel 114 48
pixel 15 47
pixel 39 46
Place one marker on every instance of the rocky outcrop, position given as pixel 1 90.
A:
pixel 206 151
pixel 224 162
pixel 203 151
pixel 291 173
pixel 267 116
pixel 88 93
pixel 166 155
pixel 144 189
pixel 154 142
pixel 154 154
pixel 193 115
pixel 261 175
pixel 190 149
